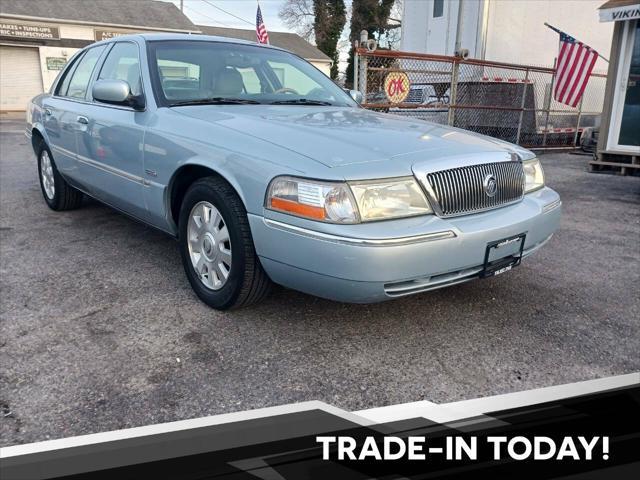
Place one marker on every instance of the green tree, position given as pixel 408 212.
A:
pixel 330 17
pixel 369 15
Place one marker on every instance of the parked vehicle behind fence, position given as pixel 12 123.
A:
pixel 266 171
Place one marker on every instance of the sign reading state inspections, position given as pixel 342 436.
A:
pixel 396 87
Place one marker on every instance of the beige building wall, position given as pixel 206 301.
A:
pixel 325 67
pixel 516 31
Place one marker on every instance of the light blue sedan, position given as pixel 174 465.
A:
pixel 266 171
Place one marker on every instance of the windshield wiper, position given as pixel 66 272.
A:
pixel 216 101
pixel 301 101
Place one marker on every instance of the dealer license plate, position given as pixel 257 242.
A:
pixel 503 255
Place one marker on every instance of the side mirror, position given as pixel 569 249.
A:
pixel 356 95
pixel 116 92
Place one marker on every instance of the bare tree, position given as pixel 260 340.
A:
pixel 298 16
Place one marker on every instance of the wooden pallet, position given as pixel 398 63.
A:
pixel 622 168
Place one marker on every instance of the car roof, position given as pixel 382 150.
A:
pixel 149 37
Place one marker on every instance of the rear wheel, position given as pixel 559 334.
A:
pixel 217 247
pixel 58 194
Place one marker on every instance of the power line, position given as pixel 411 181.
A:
pixel 228 13
pixel 206 16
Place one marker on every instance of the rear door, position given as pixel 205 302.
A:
pixel 110 141
pixel 62 109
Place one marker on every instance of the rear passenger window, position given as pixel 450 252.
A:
pixel 64 84
pixel 79 82
pixel 122 63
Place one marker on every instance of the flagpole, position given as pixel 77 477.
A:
pixel 546 119
pixel 558 31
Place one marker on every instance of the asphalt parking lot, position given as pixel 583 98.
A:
pixel 100 329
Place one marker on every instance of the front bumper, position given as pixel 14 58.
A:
pixel 378 261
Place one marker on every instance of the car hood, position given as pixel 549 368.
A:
pixel 341 136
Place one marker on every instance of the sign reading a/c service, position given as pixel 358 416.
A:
pixel 23 30
pixel 396 87
pixel 107 34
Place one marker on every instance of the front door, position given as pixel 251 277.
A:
pixel 624 132
pixel 111 138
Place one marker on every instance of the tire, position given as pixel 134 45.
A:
pixel 207 244
pixel 58 194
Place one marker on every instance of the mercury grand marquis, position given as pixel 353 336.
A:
pixel 267 171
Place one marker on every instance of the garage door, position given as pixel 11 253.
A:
pixel 20 77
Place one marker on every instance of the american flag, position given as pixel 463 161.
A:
pixel 261 30
pixel 575 63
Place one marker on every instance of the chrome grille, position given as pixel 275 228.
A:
pixel 459 191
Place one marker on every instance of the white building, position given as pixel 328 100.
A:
pixel 619 139
pixel 510 31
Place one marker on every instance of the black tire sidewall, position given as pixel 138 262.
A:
pixel 226 296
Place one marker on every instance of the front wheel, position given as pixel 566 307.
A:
pixel 217 248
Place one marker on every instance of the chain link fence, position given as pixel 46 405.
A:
pixel 507 101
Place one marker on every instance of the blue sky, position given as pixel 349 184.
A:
pixel 204 12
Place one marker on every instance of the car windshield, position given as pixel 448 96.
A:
pixel 187 72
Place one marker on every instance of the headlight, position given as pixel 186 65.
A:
pixel 395 198
pixel 534 176
pixel 324 201
pixel 338 202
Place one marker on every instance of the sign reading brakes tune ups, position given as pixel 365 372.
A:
pixel 396 87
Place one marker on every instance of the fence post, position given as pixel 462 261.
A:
pixel 548 107
pixel 356 70
pixel 522 104
pixel 575 136
pixel 363 64
pixel 454 92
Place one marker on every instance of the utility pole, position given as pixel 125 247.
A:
pixel 182 6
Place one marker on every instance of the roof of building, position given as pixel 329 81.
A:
pixel 619 3
pixel 289 41
pixel 139 13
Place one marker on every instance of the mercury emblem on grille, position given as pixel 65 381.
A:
pixel 490 185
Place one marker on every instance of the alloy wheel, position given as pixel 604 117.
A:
pixel 46 173
pixel 209 245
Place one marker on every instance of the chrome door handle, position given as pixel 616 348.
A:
pixel 47 112
pixel 82 120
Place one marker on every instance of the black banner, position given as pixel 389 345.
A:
pixel 591 436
